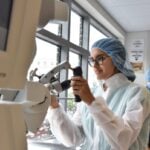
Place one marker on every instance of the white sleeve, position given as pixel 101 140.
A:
pixel 63 128
pixel 120 132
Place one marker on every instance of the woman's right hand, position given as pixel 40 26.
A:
pixel 54 102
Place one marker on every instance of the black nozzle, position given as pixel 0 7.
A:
pixel 65 85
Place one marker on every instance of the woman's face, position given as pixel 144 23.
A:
pixel 103 68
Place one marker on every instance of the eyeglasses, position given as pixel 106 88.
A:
pixel 99 60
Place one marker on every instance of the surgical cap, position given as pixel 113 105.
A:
pixel 147 75
pixel 117 52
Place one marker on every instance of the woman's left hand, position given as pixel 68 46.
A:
pixel 80 87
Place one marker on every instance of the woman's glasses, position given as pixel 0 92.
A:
pixel 99 60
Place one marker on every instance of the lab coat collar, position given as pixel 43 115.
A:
pixel 116 81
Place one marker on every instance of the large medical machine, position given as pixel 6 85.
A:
pixel 26 109
pixel 18 23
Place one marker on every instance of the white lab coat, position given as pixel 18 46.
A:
pixel 119 129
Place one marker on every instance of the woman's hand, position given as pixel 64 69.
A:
pixel 54 102
pixel 80 87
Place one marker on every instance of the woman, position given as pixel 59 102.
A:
pixel 113 117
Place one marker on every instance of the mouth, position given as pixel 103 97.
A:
pixel 98 72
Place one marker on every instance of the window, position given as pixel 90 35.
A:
pixel 95 35
pixel 45 58
pixel 75 28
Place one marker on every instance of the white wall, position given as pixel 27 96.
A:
pixel 146 63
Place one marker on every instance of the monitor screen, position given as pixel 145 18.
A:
pixel 18 24
pixel 5 7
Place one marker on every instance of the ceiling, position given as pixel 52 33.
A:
pixel 132 15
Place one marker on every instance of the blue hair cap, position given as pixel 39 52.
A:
pixel 115 49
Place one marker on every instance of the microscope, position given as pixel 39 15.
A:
pixel 51 80
pixel 35 98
